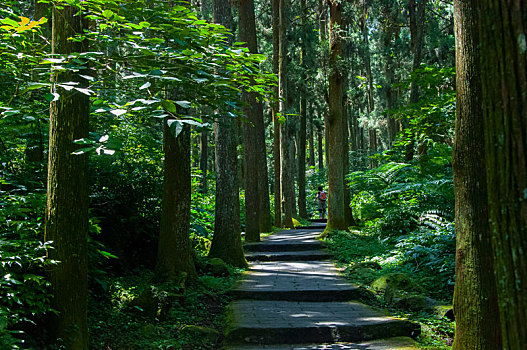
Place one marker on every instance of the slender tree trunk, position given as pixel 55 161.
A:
pixel 389 29
pixel 276 123
pixel 226 242
pixel 248 34
pixel 203 161
pixel 311 139
pixel 475 298
pixel 336 215
pixel 503 50
pixel 326 138
pixel 286 166
pixel 320 149
pixel 303 121
pixel 174 253
pixel 67 191
pixel 417 21
pixel 348 214
pixel 373 146
pixel 254 113
pixel 323 20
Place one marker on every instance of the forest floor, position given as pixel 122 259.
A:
pixel 367 261
pixel 291 289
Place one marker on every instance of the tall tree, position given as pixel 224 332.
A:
pixel 204 160
pixel 320 147
pixel 67 189
pixel 336 214
pixel 276 122
pixel 417 22
pixel 503 48
pixel 286 179
pixel 302 135
pixel 253 112
pixel 174 253
pixel 475 295
pixel 254 136
pixel 226 242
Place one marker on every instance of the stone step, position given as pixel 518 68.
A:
pixel 296 281
pixel 399 343
pixel 285 322
pixel 281 247
pixel 306 255
pixel 287 241
pixel 313 295
pixel 324 221
pixel 311 227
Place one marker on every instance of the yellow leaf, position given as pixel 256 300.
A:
pixel 24 21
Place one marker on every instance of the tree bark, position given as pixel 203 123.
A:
pixel 67 191
pixel 311 139
pixel 475 295
pixel 389 28
pixel 253 113
pixel 226 242
pixel 336 216
pixel 174 253
pixel 503 50
pixel 203 161
pixel 276 123
pixel 302 208
pixel 320 148
pixel 286 182
pixel 417 21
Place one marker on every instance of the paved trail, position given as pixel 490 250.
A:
pixel 294 298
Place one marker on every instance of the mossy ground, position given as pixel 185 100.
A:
pixel 118 323
pixel 359 255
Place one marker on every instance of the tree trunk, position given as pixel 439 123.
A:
pixel 311 139
pixel 417 22
pixel 320 149
pixel 302 209
pixel 203 161
pixel 348 214
pixel 253 113
pixel 285 158
pixel 373 146
pixel 503 50
pixel 226 242
pixel 389 28
pixel 336 216
pixel 276 123
pixel 475 298
pixel 67 191
pixel 174 253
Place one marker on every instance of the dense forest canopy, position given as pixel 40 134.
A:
pixel 143 142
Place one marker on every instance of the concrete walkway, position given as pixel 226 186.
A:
pixel 293 298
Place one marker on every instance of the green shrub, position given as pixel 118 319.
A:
pixel 22 265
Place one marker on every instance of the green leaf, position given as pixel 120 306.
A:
pixel 51 97
pixel 176 126
pixel 169 106
pixel 107 13
pixel 84 141
pixel 83 151
pixel 145 85
pixel 85 91
pixel 118 112
pixel 184 104
pixel 35 86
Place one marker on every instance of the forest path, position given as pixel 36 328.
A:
pixel 293 294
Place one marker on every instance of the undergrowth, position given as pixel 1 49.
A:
pixel 405 228
pixel 136 313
